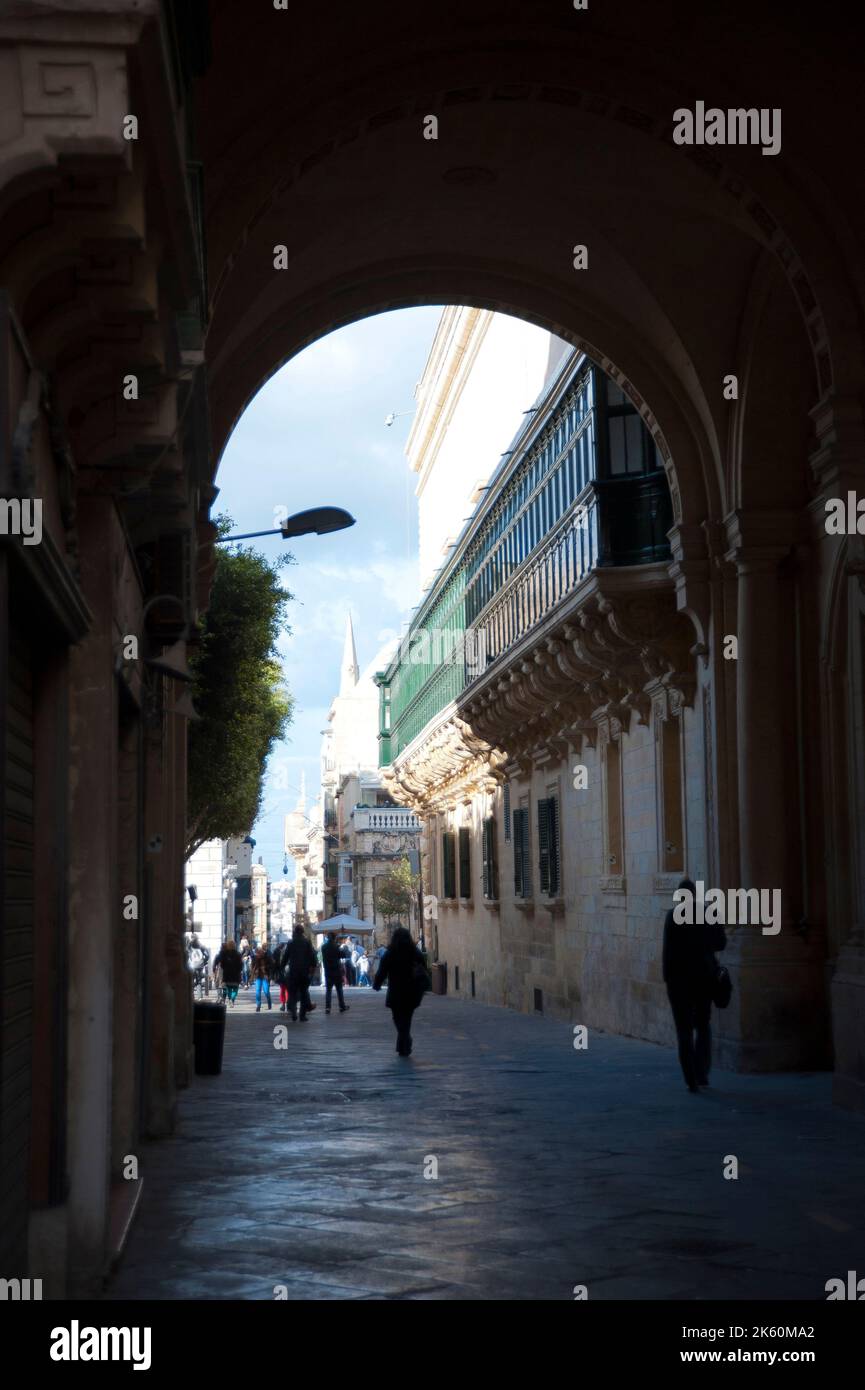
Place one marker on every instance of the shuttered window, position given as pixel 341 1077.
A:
pixel 522 858
pixel 491 877
pixel 548 845
pixel 465 862
pixel 449 867
pixel 506 796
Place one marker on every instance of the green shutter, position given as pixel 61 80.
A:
pixel 544 844
pixel 548 845
pixel 465 862
pixel 555 873
pixel 489 846
pixel 449 865
pixel 522 865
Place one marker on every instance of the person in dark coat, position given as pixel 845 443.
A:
pixel 301 963
pixel 402 967
pixel 230 962
pixel 332 956
pixel 689 968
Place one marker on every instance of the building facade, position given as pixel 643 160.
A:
pixel 205 873
pixel 550 716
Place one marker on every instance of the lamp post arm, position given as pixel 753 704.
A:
pixel 248 536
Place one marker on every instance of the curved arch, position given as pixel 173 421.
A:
pixel 689 453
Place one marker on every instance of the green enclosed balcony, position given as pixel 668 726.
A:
pixel 582 488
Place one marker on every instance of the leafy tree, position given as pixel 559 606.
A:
pixel 397 892
pixel 238 691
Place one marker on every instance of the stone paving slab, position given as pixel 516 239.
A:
pixel 304 1168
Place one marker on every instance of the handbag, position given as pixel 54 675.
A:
pixel 421 979
pixel 722 987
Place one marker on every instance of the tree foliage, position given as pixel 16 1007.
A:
pixel 397 892
pixel 238 691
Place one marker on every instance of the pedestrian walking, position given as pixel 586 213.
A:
pixel 332 955
pixel 229 962
pixel 300 968
pixel 689 969
pixel 280 973
pixel 197 958
pixel 262 967
pixel 403 969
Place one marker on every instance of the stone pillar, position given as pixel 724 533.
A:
pixel 160 1103
pixel 838 468
pixel 93 903
pixel 848 981
pixel 777 1018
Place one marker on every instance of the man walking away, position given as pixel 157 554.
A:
pixel 300 968
pixel 229 961
pixel 332 956
pixel 403 968
pixel 689 967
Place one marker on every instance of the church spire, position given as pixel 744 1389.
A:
pixel 350 671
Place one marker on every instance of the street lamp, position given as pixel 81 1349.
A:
pixel 321 520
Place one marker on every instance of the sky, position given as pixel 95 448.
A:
pixel 315 435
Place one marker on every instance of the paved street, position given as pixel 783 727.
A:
pixel 304 1168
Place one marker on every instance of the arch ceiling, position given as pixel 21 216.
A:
pixel 555 129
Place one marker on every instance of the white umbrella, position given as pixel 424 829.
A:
pixel 343 921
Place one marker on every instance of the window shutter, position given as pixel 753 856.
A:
pixel 527 860
pixel 522 867
pixel 449 865
pixel 518 855
pixel 506 795
pixel 465 863
pixel 544 844
pixel 555 856
pixel 489 845
pixel 486 859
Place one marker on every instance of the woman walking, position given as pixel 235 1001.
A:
pixel 262 965
pixel 403 968
pixel 230 964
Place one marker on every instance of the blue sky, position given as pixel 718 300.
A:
pixel 315 434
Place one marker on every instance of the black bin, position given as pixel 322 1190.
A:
pixel 208 1032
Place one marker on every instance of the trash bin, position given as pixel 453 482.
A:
pixel 208 1032
pixel 440 978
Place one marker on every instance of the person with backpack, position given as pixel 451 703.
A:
pixel 690 970
pixel 230 963
pixel 404 971
pixel 301 964
pixel 332 956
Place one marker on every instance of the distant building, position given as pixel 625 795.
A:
pixel 305 843
pixel 205 906
pixel 282 911
pixel 366 831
